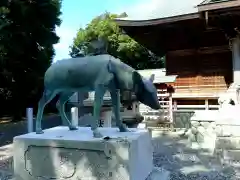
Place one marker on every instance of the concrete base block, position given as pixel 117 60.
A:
pixel 141 125
pixel 73 155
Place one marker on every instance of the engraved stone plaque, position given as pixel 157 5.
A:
pixel 50 157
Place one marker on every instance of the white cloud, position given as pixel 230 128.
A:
pixel 152 9
pixel 66 39
pixel 146 7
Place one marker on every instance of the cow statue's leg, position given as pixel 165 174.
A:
pixel 115 96
pixel 46 98
pixel 63 98
pixel 98 100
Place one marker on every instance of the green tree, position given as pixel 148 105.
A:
pixel 27 35
pixel 118 44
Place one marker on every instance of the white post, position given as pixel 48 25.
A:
pixel 175 104
pixel 29 113
pixel 141 126
pixel 236 60
pixel 206 104
pixel 107 118
pixel 171 107
pixel 74 115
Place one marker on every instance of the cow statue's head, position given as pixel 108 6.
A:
pixel 145 91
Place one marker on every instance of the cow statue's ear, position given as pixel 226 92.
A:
pixel 137 81
pixel 152 77
pixel 137 78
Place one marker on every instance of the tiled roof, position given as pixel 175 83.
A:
pixel 212 1
pixel 167 8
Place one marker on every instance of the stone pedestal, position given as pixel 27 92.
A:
pixel 73 155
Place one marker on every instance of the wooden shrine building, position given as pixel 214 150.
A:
pixel 201 43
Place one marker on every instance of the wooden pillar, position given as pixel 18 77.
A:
pixel 175 104
pixel 236 59
pixel 107 117
pixel 171 107
pixel 206 104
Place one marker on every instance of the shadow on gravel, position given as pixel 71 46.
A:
pixel 9 130
pixel 174 154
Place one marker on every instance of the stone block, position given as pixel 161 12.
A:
pixel 228 157
pixel 192 138
pixel 228 143
pixel 205 115
pixel 231 155
pixel 195 123
pixel 206 142
pixel 73 155
pixel 228 130
pixel 194 130
pixel 209 142
pixel 205 124
pixel 200 137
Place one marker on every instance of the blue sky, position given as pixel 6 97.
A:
pixel 77 13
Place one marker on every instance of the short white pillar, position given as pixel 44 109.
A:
pixel 29 113
pixel 107 118
pixel 236 60
pixel 141 126
pixel 74 115
pixel 206 104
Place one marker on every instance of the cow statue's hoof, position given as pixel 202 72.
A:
pixel 73 128
pixel 97 134
pixel 123 128
pixel 39 131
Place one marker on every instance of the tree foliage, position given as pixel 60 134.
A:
pixel 27 35
pixel 119 44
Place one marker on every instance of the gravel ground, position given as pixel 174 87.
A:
pixel 6 162
pixel 171 152
pixel 174 154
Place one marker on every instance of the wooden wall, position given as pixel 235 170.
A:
pixel 200 71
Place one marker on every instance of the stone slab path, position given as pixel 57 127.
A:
pixel 171 152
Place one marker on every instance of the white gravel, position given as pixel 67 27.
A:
pixel 171 152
